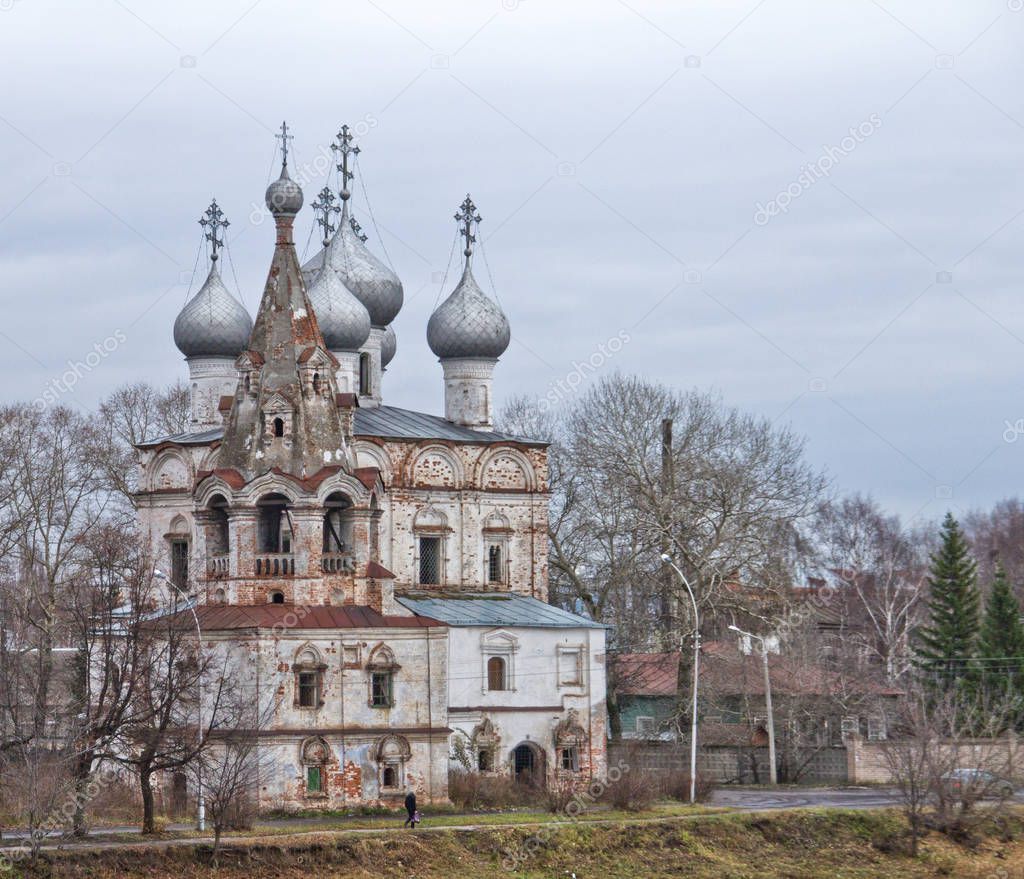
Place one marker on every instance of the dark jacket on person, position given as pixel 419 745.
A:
pixel 410 803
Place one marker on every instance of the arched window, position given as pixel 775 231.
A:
pixel 496 678
pixel 337 523
pixel 278 427
pixel 392 753
pixel 316 754
pixel 274 532
pixel 277 597
pixel 218 538
pixel 309 679
pixel 364 375
pixel 316 383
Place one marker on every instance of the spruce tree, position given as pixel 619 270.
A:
pixel 946 643
pixel 1001 641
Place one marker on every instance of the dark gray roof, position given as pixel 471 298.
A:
pixel 388 422
pixel 394 423
pixel 493 609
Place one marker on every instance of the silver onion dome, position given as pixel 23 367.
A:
pixel 213 323
pixel 284 195
pixel 388 346
pixel 372 282
pixel 343 319
pixel 468 324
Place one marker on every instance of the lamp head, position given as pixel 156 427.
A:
pixel 666 558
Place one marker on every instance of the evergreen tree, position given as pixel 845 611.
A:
pixel 1001 641
pixel 946 643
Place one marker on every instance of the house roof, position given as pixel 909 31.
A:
pixel 493 609
pixel 218 617
pixel 646 674
pixel 386 422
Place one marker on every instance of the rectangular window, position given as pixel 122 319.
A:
pixel 494 571
pixel 380 689
pixel 309 695
pixel 571 759
pixel 877 731
pixel 314 780
pixel 179 563
pixel 430 561
pixel 645 727
pixel 570 667
pixel 850 726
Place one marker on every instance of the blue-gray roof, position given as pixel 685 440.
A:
pixel 387 422
pixel 493 609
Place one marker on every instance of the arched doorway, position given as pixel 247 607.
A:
pixel 528 764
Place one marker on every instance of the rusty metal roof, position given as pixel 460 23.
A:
pixel 213 617
pixel 387 422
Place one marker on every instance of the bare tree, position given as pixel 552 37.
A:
pixel 997 535
pixel 879 570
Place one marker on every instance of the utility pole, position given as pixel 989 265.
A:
pixel 773 772
pixel 667 621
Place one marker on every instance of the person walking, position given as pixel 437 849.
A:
pixel 410 807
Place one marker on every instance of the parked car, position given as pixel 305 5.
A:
pixel 980 782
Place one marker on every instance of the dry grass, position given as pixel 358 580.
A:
pixel 795 845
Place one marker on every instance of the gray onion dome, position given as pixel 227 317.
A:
pixel 213 323
pixel 370 281
pixel 284 195
pixel 468 324
pixel 343 319
pixel 388 346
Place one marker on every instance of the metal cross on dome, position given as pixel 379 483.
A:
pixel 345 148
pixel 466 217
pixel 323 207
pixel 354 223
pixel 213 221
pixel 284 137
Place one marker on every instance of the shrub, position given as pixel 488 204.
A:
pixel 634 790
pixel 473 790
pixel 559 794
pixel 675 784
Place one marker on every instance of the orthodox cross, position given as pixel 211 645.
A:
pixel 284 137
pixel 213 222
pixel 345 148
pixel 323 207
pixel 354 223
pixel 467 217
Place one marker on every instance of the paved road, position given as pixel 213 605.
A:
pixel 755 799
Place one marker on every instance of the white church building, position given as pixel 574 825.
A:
pixel 379 574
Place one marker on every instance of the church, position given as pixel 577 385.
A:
pixel 379 574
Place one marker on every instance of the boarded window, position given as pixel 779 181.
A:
pixel 380 689
pixel 496 679
pixel 314 780
pixel 430 560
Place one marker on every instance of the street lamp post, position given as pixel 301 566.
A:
pixel 667 559
pixel 772 771
pixel 201 801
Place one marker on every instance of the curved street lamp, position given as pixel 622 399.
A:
pixel 772 771
pixel 667 559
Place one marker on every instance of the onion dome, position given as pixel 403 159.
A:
pixel 388 346
pixel 284 195
pixel 468 323
pixel 371 282
pixel 213 323
pixel 343 319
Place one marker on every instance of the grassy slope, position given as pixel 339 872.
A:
pixel 794 845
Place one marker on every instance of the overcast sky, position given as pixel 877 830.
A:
pixel 627 158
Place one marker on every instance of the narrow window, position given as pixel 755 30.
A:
pixel 571 759
pixel 496 674
pixel 314 780
pixel 380 689
pixel 309 686
pixel 483 761
pixel 316 383
pixel 364 375
pixel 179 563
pixel 390 777
pixel 494 564
pixel 278 427
pixel 430 561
